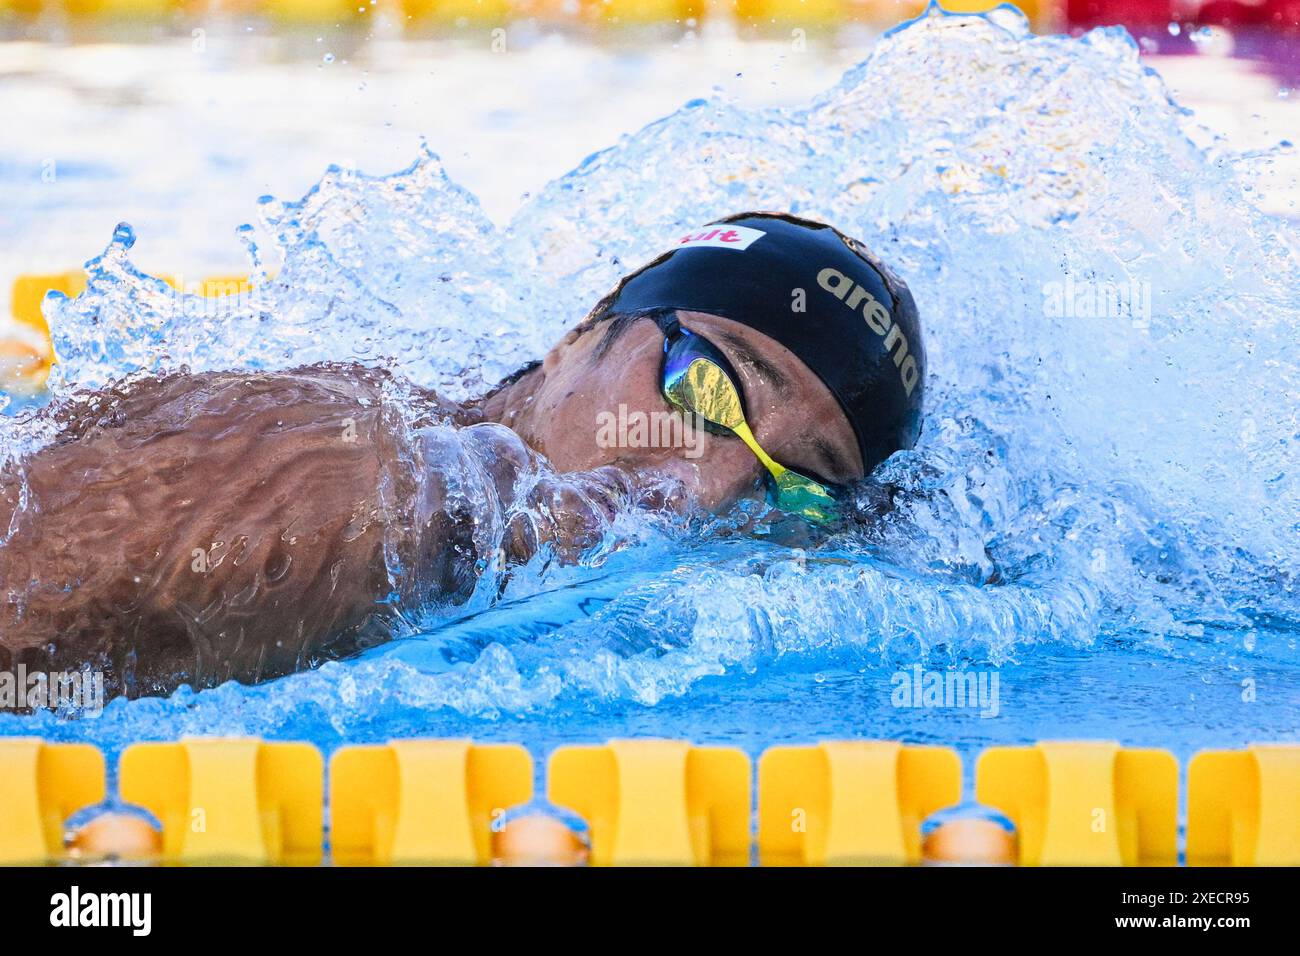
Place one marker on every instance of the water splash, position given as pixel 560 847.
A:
pixel 1111 444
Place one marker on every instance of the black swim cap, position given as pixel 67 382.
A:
pixel 816 291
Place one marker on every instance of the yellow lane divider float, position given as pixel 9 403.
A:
pixel 820 13
pixel 656 802
pixel 307 10
pixel 418 13
pixel 26 350
pixel 41 785
pixel 1090 804
pixel 424 801
pixel 26 347
pixel 1243 807
pixel 851 801
pixel 224 800
pixel 421 12
pixel 659 802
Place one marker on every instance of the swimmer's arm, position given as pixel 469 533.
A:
pixel 200 528
pixel 206 527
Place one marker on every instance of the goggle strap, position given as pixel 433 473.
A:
pixel 744 433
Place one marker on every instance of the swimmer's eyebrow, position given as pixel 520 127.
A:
pixel 747 356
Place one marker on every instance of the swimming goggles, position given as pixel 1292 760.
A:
pixel 698 379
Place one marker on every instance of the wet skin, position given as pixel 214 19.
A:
pixel 195 529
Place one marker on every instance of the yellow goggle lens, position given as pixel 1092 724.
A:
pixel 705 389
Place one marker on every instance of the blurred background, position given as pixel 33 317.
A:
pixel 176 116
pixel 1105 502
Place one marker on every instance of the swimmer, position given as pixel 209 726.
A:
pixel 200 528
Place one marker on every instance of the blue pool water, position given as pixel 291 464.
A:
pixel 1103 510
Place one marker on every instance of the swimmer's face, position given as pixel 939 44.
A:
pixel 601 403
